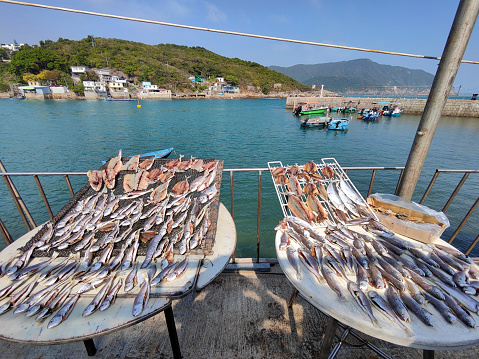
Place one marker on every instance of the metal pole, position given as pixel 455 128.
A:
pixel 258 230
pixel 456 44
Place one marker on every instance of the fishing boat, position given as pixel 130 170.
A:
pixel 309 108
pixel 338 124
pixel 396 111
pixel 386 111
pixel 316 121
pixel 371 115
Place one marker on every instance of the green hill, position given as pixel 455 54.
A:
pixel 356 75
pixel 166 65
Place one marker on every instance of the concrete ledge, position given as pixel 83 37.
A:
pixel 248 264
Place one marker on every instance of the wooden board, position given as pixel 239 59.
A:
pixel 443 336
pixel 225 244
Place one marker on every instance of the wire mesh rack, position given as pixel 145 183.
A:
pixel 331 180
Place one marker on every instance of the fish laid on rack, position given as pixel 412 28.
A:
pixel 103 232
pixel 392 280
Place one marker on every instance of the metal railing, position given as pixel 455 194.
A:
pixel 30 223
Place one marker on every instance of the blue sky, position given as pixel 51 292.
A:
pixel 416 27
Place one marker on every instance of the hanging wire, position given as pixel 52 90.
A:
pixel 227 32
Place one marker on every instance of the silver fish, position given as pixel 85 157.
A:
pixel 131 280
pixel 141 300
pixel 363 302
pixel 178 270
pixel 461 313
pixel 98 300
pixel 54 305
pixel 397 304
pixel 361 277
pixel 31 270
pixel 383 305
pixel 466 301
pixel 350 192
pixel 376 276
pixel 442 308
pixel 453 251
pixel 348 203
pixel 460 279
pixel 162 275
pixel 64 312
pixel 442 276
pixel 293 259
pixel 111 296
pixel 331 279
pixel 334 198
pixel 19 297
pixel 45 300
pixel 427 286
pixel 420 312
pixel 416 293
pixel 310 262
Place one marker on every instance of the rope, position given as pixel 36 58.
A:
pixel 228 32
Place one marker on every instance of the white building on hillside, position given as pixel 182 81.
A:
pixel 12 47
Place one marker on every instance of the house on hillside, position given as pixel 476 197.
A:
pixel 230 89
pixel 77 71
pixel 94 89
pixel 103 75
pixel 152 91
pixel 38 92
pixel 12 47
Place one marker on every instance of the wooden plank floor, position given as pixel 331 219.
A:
pixel 239 315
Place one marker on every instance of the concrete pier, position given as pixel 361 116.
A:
pixel 453 108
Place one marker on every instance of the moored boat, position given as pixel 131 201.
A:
pixel 155 154
pixel 338 124
pixel 309 108
pixel 316 121
pixel 109 98
pixel 396 111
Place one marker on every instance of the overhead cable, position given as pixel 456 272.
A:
pixel 227 31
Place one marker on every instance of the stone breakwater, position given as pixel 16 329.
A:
pixel 453 108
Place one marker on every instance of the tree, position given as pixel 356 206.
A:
pixel 29 77
pixel 91 75
pixel 3 53
pixel 79 89
pixel 49 75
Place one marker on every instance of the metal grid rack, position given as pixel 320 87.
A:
pixel 282 191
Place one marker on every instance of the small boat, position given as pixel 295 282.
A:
pixel 109 98
pixel 338 124
pixel 370 115
pixel 309 108
pixel 396 111
pixel 156 154
pixel 386 111
pixel 316 121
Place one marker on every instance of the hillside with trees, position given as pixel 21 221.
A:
pixel 166 65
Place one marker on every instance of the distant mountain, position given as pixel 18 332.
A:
pixel 355 75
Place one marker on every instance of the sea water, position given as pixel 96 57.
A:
pixel 75 136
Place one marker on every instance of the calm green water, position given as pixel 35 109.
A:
pixel 54 136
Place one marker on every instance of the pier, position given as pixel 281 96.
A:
pixel 453 108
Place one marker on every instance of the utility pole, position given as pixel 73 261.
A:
pixel 451 58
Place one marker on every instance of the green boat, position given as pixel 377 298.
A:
pixel 309 108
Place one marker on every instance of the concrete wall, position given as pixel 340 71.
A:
pixel 453 108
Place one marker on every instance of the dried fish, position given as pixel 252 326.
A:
pixel 383 305
pixel 64 312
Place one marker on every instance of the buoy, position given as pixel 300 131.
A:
pixel 138 104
